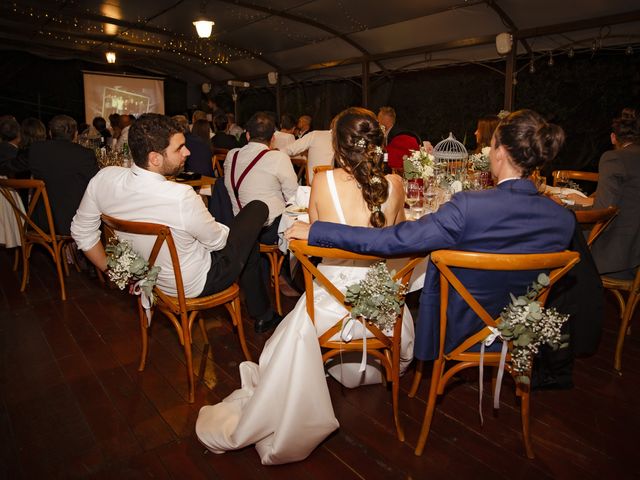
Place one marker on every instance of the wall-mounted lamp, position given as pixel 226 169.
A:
pixel 504 41
pixel 272 78
pixel 111 57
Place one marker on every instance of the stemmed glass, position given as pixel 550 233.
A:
pixel 413 193
pixel 430 196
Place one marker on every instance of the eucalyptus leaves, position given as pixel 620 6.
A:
pixel 420 164
pixel 528 325
pixel 377 298
pixel 127 267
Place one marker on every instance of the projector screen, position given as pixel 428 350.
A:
pixel 105 94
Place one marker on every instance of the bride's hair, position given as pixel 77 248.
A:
pixel 357 143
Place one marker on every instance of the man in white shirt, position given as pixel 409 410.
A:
pixel 254 172
pixel 285 135
pixel 319 147
pixel 212 256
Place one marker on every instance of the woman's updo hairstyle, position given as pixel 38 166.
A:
pixel 357 146
pixel 529 140
pixel 627 127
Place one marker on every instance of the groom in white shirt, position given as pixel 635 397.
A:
pixel 212 256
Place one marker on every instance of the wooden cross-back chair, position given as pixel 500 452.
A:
pixel 627 308
pixel 557 263
pixel 563 175
pixel 600 218
pixel 321 168
pixel 219 154
pixel 181 311
pixel 30 233
pixel 276 258
pixel 385 349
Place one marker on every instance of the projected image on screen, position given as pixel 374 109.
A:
pixel 105 94
pixel 119 101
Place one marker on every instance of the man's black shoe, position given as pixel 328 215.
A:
pixel 262 326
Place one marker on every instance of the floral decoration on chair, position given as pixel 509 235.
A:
pixel 127 267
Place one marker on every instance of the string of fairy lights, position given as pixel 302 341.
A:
pixel 93 31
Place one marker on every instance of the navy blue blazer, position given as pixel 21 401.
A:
pixel 512 218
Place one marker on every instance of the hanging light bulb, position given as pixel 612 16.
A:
pixel 571 53
pixel 594 46
pixel 629 50
pixel 551 61
pixel 532 67
pixel 111 57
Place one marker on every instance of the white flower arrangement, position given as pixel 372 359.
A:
pixel 127 267
pixel 377 298
pixel 480 161
pixel 527 325
pixel 420 164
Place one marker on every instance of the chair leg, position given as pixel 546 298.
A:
pixel 438 366
pixel 58 259
pixel 236 318
pixel 144 336
pixel 417 376
pixel 16 258
pixel 189 360
pixel 26 253
pixel 203 329
pixel 395 390
pixel 624 327
pixel 526 427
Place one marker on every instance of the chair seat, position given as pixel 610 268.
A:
pixel 203 303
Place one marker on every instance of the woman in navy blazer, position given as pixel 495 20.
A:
pixel 511 218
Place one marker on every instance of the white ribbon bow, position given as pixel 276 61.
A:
pixel 346 335
pixel 492 337
pixel 145 299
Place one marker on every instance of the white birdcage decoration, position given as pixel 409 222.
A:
pixel 451 154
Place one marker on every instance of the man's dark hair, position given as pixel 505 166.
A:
pixel 220 122
pixel 63 127
pixel 261 127
pixel 287 121
pixel 114 119
pixel 152 132
pixel 99 123
pixel 9 128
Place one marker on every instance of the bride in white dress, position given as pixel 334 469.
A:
pixel 284 407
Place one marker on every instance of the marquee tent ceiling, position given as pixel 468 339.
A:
pixel 311 39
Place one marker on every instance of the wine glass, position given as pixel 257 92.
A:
pixel 430 196
pixel 412 195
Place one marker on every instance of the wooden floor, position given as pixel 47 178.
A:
pixel 72 404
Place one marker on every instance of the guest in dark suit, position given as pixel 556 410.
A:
pixel 66 169
pixel 617 251
pixel 9 145
pixel 221 139
pixel 512 218
pixel 199 159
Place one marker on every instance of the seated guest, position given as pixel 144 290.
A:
pixel 114 127
pixel 399 141
pixel 199 157
pixel 303 126
pixel 31 130
pixel 66 168
pixel 617 250
pixel 284 136
pixel 212 256
pixel 100 124
pixel 318 147
pixel 222 139
pixel 201 128
pixel 234 129
pixel 9 144
pixel 512 218
pixel 254 172
pixel 484 131
pixel 125 122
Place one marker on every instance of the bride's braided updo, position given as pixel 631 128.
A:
pixel 357 143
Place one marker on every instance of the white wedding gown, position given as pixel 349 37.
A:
pixel 284 407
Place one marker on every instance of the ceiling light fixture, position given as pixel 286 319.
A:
pixel 629 50
pixel 111 57
pixel 551 62
pixel 571 53
pixel 202 24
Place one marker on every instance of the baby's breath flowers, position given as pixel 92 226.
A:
pixel 377 298
pixel 127 267
pixel 528 325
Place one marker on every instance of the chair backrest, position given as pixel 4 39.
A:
pixel 219 154
pixel 600 218
pixel 562 175
pixel 38 193
pixel 558 264
pixel 322 168
pixel 302 250
pixel 163 236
